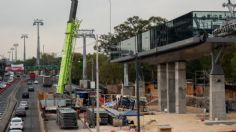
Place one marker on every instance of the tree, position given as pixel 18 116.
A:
pixel 233 65
pixel 110 73
pixel 49 59
pixel 131 27
pixel 76 68
pixel 30 62
pixel 113 73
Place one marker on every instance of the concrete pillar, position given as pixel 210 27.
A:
pixel 180 85
pixel 217 97
pixel 162 91
pixel 126 77
pixel 129 90
pixel 170 81
pixel 141 88
pixel 217 87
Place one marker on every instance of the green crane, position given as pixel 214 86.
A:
pixel 71 31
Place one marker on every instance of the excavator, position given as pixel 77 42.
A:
pixel 71 30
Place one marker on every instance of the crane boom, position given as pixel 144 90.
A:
pixel 66 61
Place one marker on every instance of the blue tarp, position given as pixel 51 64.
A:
pixel 130 113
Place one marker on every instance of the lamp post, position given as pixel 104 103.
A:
pixel 92 69
pixel 15 45
pixel 137 81
pixel 9 53
pixel 12 53
pixel 38 22
pixel 110 14
pixel 85 33
pixel 24 36
pixel 97 87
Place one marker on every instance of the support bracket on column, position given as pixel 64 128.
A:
pixel 216 57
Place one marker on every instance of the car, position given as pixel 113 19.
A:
pixel 36 82
pixel 9 81
pixel 16 130
pixel 16 123
pixel 24 104
pixel 20 112
pixel 54 85
pixel 30 89
pixel 25 95
pixel 2 85
pixel 29 82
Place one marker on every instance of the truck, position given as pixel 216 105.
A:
pixel 47 81
pixel 32 76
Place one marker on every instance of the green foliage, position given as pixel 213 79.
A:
pixel 109 73
pixel 133 25
pixel 49 59
pixel 77 67
pixel 233 65
pixel 229 65
pixel 113 73
pixel 30 62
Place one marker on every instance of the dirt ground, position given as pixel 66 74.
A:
pixel 193 121
pixel 181 123
pixel 190 122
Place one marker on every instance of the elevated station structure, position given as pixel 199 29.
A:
pixel 171 44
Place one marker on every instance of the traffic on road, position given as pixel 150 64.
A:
pixel 25 114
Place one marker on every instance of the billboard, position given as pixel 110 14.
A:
pixel 15 68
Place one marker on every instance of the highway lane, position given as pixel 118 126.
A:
pixel 5 95
pixel 3 105
pixel 8 91
pixel 31 121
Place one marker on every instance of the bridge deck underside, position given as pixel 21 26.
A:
pixel 182 51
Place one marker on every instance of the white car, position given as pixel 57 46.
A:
pixel 16 130
pixel 24 104
pixel 36 82
pixel 16 123
pixel 54 85
pixel 3 85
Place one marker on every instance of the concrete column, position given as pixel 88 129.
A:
pixel 126 77
pixel 170 81
pixel 162 91
pixel 217 97
pixel 141 88
pixel 180 85
pixel 217 87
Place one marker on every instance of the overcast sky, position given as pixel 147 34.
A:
pixel 16 18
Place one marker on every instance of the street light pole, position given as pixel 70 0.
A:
pixel 15 45
pixel 9 53
pixel 85 33
pixel 137 82
pixel 97 87
pixel 24 36
pixel 12 54
pixel 110 13
pixel 92 69
pixel 38 23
